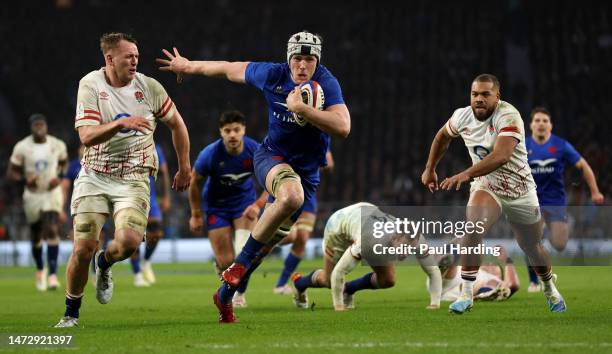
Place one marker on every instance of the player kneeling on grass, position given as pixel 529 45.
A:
pixel 495 281
pixel 342 252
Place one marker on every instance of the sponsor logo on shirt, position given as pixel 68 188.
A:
pixel 542 166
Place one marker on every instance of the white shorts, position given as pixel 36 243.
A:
pixel 97 193
pixel 36 203
pixel 524 210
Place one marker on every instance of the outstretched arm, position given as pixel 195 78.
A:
pixel 233 71
pixel 589 177
pixel 438 147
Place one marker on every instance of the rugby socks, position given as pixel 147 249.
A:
pixel 135 265
pixel 533 277
pixel 362 283
pixel 103 263
pixel 226 293
pixel 291 262
pixel 468 277
pixel 249 252
pixel 52 253
pixel 73 304
pixel 547 280
pixel 149 249
pixel 38 259
pixel 307 281
pixel 244 283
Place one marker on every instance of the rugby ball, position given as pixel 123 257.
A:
pixel 312 95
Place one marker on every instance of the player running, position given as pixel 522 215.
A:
pixel 117 112
pixel 494 135
pixel 39 160
pixel 287 162
pixel 548 155
pixel 222 186
pixel 342 252
pixel 144 275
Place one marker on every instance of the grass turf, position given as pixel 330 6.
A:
pixel 177 315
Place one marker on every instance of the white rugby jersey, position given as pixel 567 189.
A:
pixel 40 160
pixel 129 155
pixel 513 179
pixel 346 223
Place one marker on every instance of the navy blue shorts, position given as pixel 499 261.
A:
pixel 265 159
pixel 217 217
pixel 554 213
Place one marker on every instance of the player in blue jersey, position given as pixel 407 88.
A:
pixel 299 235
pixel 223 188
pixel 287 162
pixel 548 155
pixel 144 276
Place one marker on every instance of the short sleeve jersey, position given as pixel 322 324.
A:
pixel 229 177
pixel 40 159
pixel 303 147
pixel 547 162
pixel 129 154
pixel 513 179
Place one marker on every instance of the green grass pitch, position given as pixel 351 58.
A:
pixel 177 315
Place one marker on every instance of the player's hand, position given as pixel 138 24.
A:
pixel 181 180
pixel 196 223
pixel 32 182
pixel 429 178
pixel 456 180
pixel 165 204
pixel 597 198
pixel 137 123
pixel 251 212
pixel 175 63
pixel 294 101
pixel 53 183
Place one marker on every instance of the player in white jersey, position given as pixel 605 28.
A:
pixel 40 161
pixel 342 252
pixel 117 112
pixel 494 135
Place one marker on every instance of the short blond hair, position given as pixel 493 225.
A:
pixel 111 40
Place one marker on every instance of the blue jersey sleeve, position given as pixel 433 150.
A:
pixel 332 91
pixel 203 162
pixel 160 155
pixel 257 74
pixel 571 156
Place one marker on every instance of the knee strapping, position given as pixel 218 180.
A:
pixel 87 226
pixel 282 176
pixel 130 218
pixel 305 224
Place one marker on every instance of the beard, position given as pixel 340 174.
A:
pixel 481 114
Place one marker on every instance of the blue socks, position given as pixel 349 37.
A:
pixel 135 265
pixel 73 304
pixel 305 281
pixel 103 263
pixel 149 251
pixel 362 283
pixel 533 277
pixel 249 252
pixel 37 254
pixel 291 262
pixel 52 252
